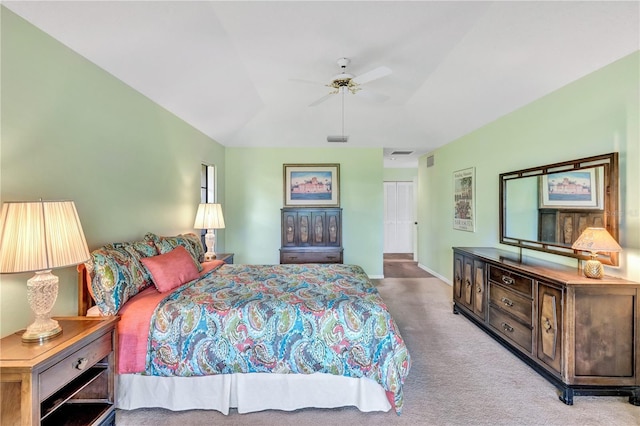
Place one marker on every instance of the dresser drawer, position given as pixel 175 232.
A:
pixel 511 302
pixel 512 280
pixel 311 256
pixel 74 365
pixel 510 328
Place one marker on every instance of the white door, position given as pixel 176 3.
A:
pixel 398 217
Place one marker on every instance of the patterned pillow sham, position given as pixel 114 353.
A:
pixel 190 241
pixel 117 274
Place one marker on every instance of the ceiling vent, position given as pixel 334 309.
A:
pixel 402 153
pixel 334 138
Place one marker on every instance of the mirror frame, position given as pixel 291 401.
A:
pixel 610 204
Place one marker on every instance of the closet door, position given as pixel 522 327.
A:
pixel 398 217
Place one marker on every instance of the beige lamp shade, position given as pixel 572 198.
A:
pixel 209 216
pixel 40 235
pixel 596 240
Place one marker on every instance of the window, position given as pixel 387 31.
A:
pixel 208 184
pixel 207 190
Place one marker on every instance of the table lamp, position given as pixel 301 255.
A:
pixel 37 237
pixel 209 217
pixel 595 240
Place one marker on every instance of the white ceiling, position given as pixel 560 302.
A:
pixel 232 68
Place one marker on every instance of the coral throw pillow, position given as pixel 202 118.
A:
pixel 172 269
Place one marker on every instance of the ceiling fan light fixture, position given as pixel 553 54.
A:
pixel 348 83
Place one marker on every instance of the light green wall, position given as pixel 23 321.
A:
pixel 254 197
pixel 72 131
pixel 400 174
pixel 595 115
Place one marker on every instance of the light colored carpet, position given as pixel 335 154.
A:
pixel 459 376
pixel 401 265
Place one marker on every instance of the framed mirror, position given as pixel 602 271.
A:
pixel 546 208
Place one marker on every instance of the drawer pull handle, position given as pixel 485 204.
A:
pixel 468 282
pixel 508 280
pixel 479 289
pixel 507 327
pixel 331 257
pixel 81 364
pixel 506 301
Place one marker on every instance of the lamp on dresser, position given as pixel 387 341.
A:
pixel 595 240
pixel 37 237
pixel 209 217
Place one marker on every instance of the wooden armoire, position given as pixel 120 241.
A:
pixel 311 235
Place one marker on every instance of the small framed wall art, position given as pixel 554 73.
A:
pixel 311 185
pixel 464 209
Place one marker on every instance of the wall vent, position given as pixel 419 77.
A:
pixel 334 138
pixel 431 161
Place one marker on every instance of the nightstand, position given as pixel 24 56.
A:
pixel 65 380
pixel 225 257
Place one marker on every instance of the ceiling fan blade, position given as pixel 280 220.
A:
pixel 371 96
pixel 374 74
pixel 322 99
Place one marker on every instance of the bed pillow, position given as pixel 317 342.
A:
pixel 191 242
pixel 117 273
pixel 172 269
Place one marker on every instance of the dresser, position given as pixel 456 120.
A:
pixel 581 334
pixel 311 235
pixel 68 380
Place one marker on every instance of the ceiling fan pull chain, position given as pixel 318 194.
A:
pixel 343 113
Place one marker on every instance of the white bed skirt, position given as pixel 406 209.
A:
pixel 249 392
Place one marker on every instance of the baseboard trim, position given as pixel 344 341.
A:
pixel 435 274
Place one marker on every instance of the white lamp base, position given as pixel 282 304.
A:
pixel 42 292
pixel 210 242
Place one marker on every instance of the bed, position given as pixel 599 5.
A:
pixel 207 335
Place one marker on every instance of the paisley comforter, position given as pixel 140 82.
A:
pixel 281 319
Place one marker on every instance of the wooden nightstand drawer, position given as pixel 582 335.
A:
pixel 75 364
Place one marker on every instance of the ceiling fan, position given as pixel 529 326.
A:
pixel 349 83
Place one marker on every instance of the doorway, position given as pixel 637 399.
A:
pixel 398 217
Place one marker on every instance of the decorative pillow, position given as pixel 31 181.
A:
pixel 117 274
pixel 191 242
pixel 143 248
pixel 172 269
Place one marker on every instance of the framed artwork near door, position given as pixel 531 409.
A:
pixel 311 185
pixel 464 210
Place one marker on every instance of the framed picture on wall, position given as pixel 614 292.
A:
pixel 579 189
pixel 311 185
pixel 464 210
